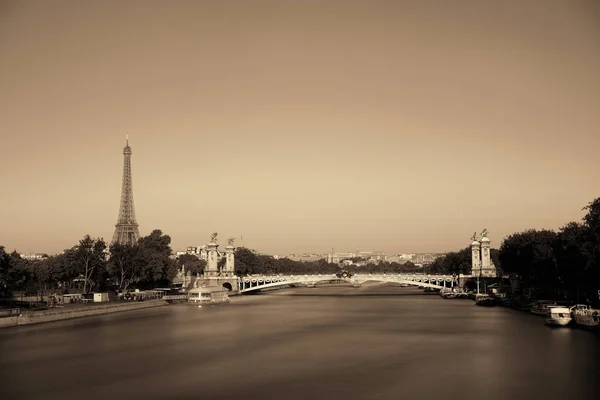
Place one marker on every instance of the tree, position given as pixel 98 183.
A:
pixel 89 257
pixel 155 255
pixel 571 257
pixel 458 262
pixel 495 257
pixel 53 269
pixel 193 264
pixel 245 262
pixel 530 254
pixel 125 264
pixel 5 270
pixel 436 267
pixel 591 246
pixel 408 266
pixel 20 275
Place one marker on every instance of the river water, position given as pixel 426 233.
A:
pixel 330 342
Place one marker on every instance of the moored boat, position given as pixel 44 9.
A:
pixel 542 307
pixel 208 296
pixel 484 300
pixel 558 316
pixel 585 316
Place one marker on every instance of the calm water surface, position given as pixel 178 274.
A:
pixel 330 342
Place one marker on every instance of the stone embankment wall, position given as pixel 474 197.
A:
pixel 56 315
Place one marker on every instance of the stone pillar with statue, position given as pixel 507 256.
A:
pixel 212 261
pixel 215 277
pixel 482 265
pixel 475 256
pixel 487 268
pixel 229 267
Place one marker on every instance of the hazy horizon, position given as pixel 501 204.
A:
pixel 395 126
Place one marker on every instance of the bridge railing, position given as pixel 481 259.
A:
pixel 358 273
pixel 362 275
pixel 254 282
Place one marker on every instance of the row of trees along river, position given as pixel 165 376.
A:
pixel 563 263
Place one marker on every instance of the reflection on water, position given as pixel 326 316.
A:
pixel 373 342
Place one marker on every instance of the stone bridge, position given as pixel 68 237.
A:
pixel 252 283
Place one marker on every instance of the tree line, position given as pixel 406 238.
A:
pixel 88 267
pixel 460 262
pixel 565 263
pixel 546 263
pixel 247 262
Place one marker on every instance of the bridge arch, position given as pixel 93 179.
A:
pixel 249 284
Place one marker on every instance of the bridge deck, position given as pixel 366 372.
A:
pixel 251 283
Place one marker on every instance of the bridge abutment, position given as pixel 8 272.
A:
pixel 228 282
pixel 215 276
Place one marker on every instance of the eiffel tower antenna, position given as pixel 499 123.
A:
pixel 126 229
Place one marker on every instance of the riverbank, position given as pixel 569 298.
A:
pixel 57 314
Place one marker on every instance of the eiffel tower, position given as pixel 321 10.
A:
pixel 126 231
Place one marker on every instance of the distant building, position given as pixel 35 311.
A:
pixel 193 250
pixel 377 256
pixel 34 256
pixel 198 251
pixel 396 259
pixel 336 258
pixel 367 256
pixel 306 257
pixel 426 258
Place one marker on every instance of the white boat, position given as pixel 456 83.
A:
pixel 585 316
pixel 208 296
pixel 559 316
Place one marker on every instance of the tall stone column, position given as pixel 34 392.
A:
pixel 475 259
pixel 229 268
pixel 486 264
pixel 213 259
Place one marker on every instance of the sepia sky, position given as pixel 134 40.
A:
pixel 400 126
